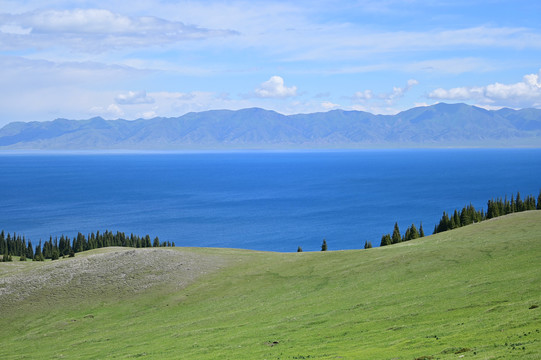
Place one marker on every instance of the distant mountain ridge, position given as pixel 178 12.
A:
pixel 440 125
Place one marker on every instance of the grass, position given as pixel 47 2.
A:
pixel 466 293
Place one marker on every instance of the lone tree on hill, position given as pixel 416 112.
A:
pixel 367 245
pixel 299 249
pixel 324 245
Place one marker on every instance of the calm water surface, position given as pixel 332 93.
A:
pixel 264 201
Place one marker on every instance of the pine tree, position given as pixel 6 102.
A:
pixel 324 245
pixel 30 250
pixel 492 210
pixel 520 204
pixel 395 238
pixel 3 244
pixel 421 231
pixel 414 234
pixel 538 202
pixel 456 220
pixel 444 225
pixel 367 245
pixel 55 254
pixel 299 249
pixel 38 255
pixel 386 240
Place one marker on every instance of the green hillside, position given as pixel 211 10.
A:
pixel 473 292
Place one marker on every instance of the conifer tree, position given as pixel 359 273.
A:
pixel 3 244
pixel 29 250
pixel 38 255
pixel 324 245
pixel 367 245
pixel 414 234
pixel 456 220
pixel 386 240
pixel 395 238
pixel 421 231
pixel 506 206
pixel 520 204
pixel 513 205
pixel 8 244
pixel 538 201
pixel 299 249
pixel 55 254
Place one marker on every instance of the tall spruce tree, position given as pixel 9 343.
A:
pixel 3 244
pixel 520 204
pixel 30 250
pixel 324 245
pixel 395 238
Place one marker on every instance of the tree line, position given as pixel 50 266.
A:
pixel 468 215
pixel 15 245
pixel 410 234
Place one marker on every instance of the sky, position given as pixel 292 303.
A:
pixel 142 59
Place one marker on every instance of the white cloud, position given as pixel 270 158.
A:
pixel 149 114
pixel 388 98
pixel 134 97
pixel 526 93
pixel 14 29
pixel 94 30
pixel 111 111
pixel 327 105
pixel 275 88
pixel 19 72
pixel 363 95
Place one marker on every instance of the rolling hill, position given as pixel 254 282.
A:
pixel 472 292
pixel 439 125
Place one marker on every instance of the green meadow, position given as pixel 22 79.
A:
pixel 473 292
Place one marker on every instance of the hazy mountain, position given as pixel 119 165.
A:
pixel 440 125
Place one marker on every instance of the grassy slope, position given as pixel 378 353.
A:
pixel 466 292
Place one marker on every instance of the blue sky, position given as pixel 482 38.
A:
pixel 140 59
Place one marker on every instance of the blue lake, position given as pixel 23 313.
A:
pixel 256 200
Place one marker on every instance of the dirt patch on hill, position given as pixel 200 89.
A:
pixel 116 272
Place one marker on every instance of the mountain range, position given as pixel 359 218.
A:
pixel 440 125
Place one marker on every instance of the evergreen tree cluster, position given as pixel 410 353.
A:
pixel 55 248
pixel 495 208
pixel 410 234
pixel 468 215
